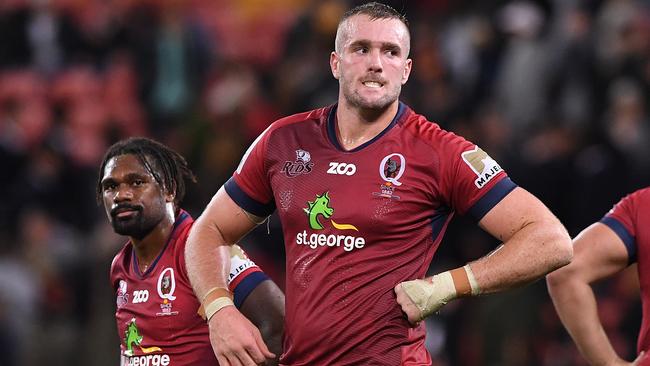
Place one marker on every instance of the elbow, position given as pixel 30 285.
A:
pixel 562 249
pixel 561 270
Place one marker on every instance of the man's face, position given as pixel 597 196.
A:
pixel 371 61
pixel 134 202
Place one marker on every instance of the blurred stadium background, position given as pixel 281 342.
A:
pixel 557 91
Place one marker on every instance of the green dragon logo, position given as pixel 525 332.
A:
pixel 321 207
pixel 132 336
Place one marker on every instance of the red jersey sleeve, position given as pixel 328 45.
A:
pixel 471 180
pixel 621 220
pixel 249 186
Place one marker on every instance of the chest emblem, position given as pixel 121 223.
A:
pixel 122 294
pixel 132 337
pixel 301 165
pixel 320 209
pixel 391 169
pixel 166 288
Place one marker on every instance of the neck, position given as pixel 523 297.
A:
pixel 356 126
pixel 148 248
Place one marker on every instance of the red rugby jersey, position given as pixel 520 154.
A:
pixel 156 314
pixel 630 220
pixel 358 222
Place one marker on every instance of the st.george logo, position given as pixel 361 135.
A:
pixel 320 209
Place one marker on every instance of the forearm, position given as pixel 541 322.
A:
pixel 575 303
pixel 529 254
pixel 207 258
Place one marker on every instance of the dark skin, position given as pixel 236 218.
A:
pixel 139 207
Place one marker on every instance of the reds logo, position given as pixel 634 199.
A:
pixel 302 164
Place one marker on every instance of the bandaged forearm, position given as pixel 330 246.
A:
pixel 429 295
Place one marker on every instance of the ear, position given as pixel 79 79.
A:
pixel 170 196
pixel 335 64
pixel 407 70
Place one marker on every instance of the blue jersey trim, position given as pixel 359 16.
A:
pixel 490 199
pixel 246 202
pixel 331 125
pixel 136 268
pixel 247 285
pixel 626 237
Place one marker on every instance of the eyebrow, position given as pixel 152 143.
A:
pixel 368 43
pixel 127 177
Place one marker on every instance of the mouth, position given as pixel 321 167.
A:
pixel 125 211
pixel 372 84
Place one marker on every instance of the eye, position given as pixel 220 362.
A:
pixel 392 52
pixel 138 182
pixel 109 186
pixel 361 49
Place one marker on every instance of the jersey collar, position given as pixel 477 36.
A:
pixel 183 219
pixel 332 123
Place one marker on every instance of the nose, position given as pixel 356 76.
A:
pixel 123 193
pixel 374 61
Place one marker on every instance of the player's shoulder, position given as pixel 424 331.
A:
pixel 640 197
pixel 121 259
pixel 314 116
pixel 429 132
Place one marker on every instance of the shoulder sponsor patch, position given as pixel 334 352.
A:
pixel 239 262
pixel 482 165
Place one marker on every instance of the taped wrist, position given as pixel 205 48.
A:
pixel 214 300
pixel 429 295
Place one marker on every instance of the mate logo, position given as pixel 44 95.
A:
pixel 302 164
pixel 132 337
pixel 320 209
pixel 482 165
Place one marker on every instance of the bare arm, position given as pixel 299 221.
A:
pixel 599 253
pixel 264 306
pixel 534 243
pixel 234 338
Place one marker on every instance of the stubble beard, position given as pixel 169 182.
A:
pixel 355 99
pixel 138 226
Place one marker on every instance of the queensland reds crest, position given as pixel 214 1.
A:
pixel 391 169
pixel 167 284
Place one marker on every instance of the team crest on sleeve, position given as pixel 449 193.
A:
pixel 302 164
pixel 166 288
pixel 391 169
pixel 482 165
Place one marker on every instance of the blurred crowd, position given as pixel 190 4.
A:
pixel 557 91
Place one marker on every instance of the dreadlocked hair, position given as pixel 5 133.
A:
pixel 168 167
